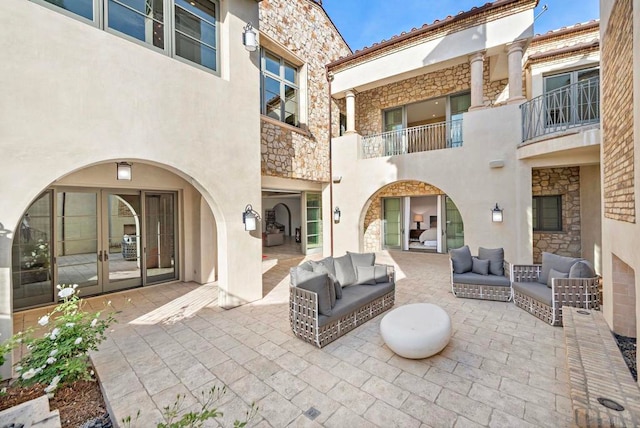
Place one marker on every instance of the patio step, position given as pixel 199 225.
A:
pixel 597 371
pixel 34 413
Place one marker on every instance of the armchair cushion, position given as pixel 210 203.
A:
pixel 480 266
pixel 553 261
pixel 495 257
pixel 535 290
pixel 345 273
pixel 461 259
pixel 582 269
pixel 553 274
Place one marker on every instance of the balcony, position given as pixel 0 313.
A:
pixel 436 136
pixel 569 107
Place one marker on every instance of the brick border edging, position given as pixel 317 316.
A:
pixel 596 369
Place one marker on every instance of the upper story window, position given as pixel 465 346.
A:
pixel 572 97
pixel 179 28
pixel 280 89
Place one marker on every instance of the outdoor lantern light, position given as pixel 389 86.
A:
pixel 418 218
pixel 249 38
pixel 496 214
pixel 123 171
pixel 250 218
pixel 336 215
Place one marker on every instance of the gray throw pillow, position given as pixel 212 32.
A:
pixel 327 263
pixel 337 286
pixel 495 257
pixel 318 283
pixel 461 259
pixel 362 259
pixel 480 266
pixel 552 261
pixel 366 275
pixel 555 274
pixel 582 269
pixel 381 274
pixel 321 267
pixel 345 273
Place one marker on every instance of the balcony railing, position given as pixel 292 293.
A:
pixel 568 107
pixel 416 139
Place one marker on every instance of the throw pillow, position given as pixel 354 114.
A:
pixel 582 269
pixel 362 259
pixel 337 286
pixel 495 257
pixel 327 263
pixel 366 275
pixel 480 266
pixel 552 261
pixel 461 259
pixel 380 272
pixel 319 284
pixel 555 274
pixel 345 273
pixel 321 267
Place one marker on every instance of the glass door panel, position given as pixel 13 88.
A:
pixel 458 105
pixel 313 221
pixel 392 223
pixel 160 236
pixel 32 257
pixel 122 249
pixel 455 227
pixel 77 240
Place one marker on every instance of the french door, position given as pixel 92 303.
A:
pixel 392 223
pixel 104 241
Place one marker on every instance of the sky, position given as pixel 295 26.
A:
pixel 365 22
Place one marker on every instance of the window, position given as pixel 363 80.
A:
pixel 280 89
pixel 547 213
pixel 191 32
pixel 572 97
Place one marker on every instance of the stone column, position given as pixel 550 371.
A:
pixel 351 112
pixel 514 54
pixel 477 71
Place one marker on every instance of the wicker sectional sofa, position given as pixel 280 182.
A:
pixel 333 296
pixel 559 281
pixel 484 277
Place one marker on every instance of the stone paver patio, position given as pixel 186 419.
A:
pixel 502 368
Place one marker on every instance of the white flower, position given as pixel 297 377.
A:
pixel 51 360
pixel 29 374
pixel 94 322
pixel 53 353
pixel 18 368
pixel 44 320
pixel 70 324
pixel 53 385
pixel 59 287
pixel 54 333
pixel 75 286
pixel 66 292
pixel 77 341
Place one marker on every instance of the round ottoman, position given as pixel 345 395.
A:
pixel 418 330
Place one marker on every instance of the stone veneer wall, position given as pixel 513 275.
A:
pixel 617 108
pixel 303 28
pixel 372 240
pixel 565 182
pixel 369 104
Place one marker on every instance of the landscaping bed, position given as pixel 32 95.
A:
pixel 627 346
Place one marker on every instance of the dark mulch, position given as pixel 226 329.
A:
pixel 627 346
pixel 78 403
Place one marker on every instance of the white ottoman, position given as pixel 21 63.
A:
pixel 418 330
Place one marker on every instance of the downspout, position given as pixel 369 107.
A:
pixel 329 79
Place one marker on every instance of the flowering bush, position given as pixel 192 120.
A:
pixel 62 355
pixel 35 255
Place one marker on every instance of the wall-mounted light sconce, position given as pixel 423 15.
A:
pixel 250 218
pixel 336 178
pixel 249 38
pixel 418 218
pixel 336 215
pixel 496 214
pixel 123 171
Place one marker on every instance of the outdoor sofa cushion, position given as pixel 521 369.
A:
pixel 327 266
pixel 371 275
pixel 477 279
pixel 480 267
pixel 345 273
pixel 318 283
pixel 582 269
pixel 354 297
pixel 553 274
pixel 495 257
pixel 553 261
pixel 461 259
pixel 535 290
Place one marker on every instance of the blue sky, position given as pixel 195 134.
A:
pixel 364 22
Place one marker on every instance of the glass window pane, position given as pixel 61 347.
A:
pixel 290 73
pixel 393 119
pixel 204 9
pixel 460 103
pixel 138 19
pixel 272 85
pixel 195 51
pixel 290 93
pixel 192 25
pixel 83 8
pixel 272 63
pixel 555 82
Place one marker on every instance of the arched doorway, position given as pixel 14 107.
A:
pixel 283 211
pixel 411 215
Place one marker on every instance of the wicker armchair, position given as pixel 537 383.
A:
pixel 576 292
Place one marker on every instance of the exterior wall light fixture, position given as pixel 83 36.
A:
pixel 496 214
pixel 336 215
pixel 123 171
pixel 249 38
pixel 250 218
